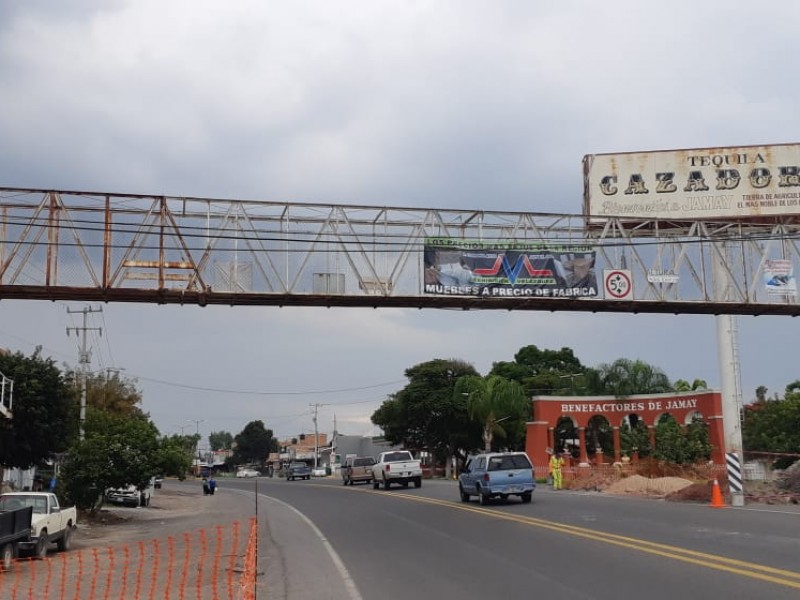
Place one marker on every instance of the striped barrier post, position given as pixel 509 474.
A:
pixel 735 481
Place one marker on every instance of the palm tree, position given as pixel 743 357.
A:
pixel 492 400
pixel 625 377
pixel 681 385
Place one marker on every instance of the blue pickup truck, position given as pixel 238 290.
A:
pixel 497 475
pixel 298 470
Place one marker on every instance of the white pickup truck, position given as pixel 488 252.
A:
pixel 397 466
pixel 50 522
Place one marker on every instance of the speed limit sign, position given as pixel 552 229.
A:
pixel 618 284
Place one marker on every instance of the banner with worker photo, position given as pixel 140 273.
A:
pixel 454 266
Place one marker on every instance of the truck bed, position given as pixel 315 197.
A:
pixel 15 525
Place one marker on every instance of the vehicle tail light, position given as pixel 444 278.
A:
pixel 486 477
pixel 386 468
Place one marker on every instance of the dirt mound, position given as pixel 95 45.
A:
pixel 789 480
pixel 645 486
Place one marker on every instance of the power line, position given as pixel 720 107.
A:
pixel 382 241
pixel 261 393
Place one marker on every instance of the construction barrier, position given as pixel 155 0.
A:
pixel 209 564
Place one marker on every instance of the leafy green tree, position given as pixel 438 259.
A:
pixel 635 439
pixel 544 372
pixel 425 415
pixel 669 441
pixel 761 393
pixel 698 440
pixel 220 440
pixel 112 394
pixel 45 411
pixel 682 445
pixel 175 456
pixel 773 425
pixel 625 377
pixel 116 452
pixel 254 443
pixel 492 400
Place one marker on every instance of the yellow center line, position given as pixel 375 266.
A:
pixel 711 561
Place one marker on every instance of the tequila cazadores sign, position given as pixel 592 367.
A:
pixel 706 183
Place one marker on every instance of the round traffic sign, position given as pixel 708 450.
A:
pixel 618 284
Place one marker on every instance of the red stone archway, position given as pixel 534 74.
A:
pixel 547 410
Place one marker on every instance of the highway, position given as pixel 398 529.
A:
pixel 356 542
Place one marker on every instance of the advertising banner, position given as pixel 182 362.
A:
pixel 495 269
pixel 779 278
pixel 748 182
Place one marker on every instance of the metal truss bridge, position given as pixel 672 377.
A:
pixel 89 246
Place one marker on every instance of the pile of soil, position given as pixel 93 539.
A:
pixel 659 487
pixel 688 483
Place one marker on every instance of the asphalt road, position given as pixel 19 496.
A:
pixel 325 540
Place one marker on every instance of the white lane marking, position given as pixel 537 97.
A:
pixel 349 584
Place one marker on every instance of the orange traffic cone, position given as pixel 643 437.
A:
pixel 716 496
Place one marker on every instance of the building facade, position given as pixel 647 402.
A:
pixel 584 415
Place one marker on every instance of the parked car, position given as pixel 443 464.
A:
pixel 357 468
pixel 497 475
pixel 157 482
pixel 131 495
pixel 298 470
pixel 247 473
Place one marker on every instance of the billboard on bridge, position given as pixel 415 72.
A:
pixel 742 183
pixel 455 266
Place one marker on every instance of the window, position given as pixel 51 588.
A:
pixel 511 461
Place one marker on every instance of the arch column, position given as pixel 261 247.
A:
pixel 651 430
pixel 582 438
pixel 617 444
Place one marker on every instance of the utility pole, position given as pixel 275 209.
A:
pixel 316 433
pixel 572 377
pixel 197 448
pixel 84 357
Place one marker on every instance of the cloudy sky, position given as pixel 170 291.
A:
pixel 448 104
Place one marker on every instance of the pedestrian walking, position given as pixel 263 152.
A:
pixel 206 487
pixel 212 485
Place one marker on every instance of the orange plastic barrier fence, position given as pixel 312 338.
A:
pixel 176 568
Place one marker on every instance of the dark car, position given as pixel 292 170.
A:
pixel 298 470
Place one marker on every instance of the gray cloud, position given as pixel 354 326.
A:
pixel 453 104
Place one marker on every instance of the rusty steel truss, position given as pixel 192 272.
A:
pixel 88 246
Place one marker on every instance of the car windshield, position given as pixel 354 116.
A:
pixel 362 462
pixel 512 461
pixel 14 502
pixel 397 456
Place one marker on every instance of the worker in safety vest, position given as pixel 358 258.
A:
pixel 556 465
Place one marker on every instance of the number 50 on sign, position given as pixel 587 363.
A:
pixel 618 284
